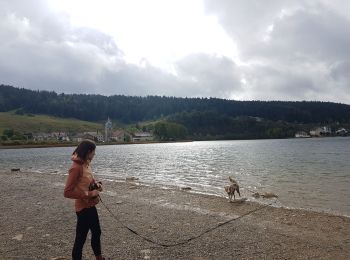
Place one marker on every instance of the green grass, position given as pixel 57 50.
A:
pixel 43 123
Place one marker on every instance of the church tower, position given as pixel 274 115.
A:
pixel 108 130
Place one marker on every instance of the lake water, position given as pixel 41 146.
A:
pixel 309 173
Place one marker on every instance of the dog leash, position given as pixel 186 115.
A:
pixel 128 228
pixel 186 240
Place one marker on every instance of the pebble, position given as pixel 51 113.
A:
pixel 18 237
pixel 146 253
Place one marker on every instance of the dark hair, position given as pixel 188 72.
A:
pixel 83 148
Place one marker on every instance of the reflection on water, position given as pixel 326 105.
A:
pixel 308 173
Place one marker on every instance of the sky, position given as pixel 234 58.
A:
pixel 288 50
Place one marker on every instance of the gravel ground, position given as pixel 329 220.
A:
pixel 37 222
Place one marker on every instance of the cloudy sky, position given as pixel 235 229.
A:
pixel 241 49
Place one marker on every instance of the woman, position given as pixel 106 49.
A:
pixel 79 186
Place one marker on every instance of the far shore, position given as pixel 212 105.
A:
pixel 39 223
pixel 23 146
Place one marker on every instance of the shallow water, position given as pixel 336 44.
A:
pixel 305 173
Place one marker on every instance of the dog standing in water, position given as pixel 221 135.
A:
pixel 231 189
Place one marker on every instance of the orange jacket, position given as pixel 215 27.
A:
pixel 77 184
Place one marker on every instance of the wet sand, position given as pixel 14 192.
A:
pixel 37 222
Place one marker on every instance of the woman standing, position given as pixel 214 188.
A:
pixel 82 187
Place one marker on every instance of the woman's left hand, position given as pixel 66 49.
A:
pixel 99 186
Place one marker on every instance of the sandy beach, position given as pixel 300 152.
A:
pixel 37 222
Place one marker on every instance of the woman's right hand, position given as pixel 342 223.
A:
pixel 93 201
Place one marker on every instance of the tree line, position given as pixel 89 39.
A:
pixel 202 118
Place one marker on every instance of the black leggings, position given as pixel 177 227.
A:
pixel 87 219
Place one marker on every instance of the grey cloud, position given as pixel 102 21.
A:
pixel 272 83
pixel 40 49
pixel 198 75
pixel 340 71
pixel 294 60
pixel 139 81
pixel 290 50
pixel 102 41
pixel 307 44
pixel 209 75
pixel 246 21
pixel 44 23
pixel 307 35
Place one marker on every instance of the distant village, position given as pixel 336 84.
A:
pixel 322 132
pixel 108 135
pixel 121 135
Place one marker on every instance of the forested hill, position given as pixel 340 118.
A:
pixel 130 109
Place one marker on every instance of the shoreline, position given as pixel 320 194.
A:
pixel 249 199
pixel 40 224
pixel 25 146
pixel 247 194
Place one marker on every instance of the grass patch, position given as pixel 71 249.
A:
pixel 42 123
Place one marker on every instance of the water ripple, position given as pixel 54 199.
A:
pixel 305 173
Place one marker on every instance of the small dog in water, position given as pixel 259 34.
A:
pixel 231 189
pixel 265 195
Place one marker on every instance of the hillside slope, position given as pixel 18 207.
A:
pixel 171 118
pixel 43 123
pixel 133 109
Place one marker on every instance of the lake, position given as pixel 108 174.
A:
pixel 312 173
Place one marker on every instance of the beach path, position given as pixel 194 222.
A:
pixel 37 222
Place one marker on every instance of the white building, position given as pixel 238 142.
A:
pixel 321 131
pixel 94 136
pixel 341 132
pixel 142 136
pixel 120 136
pixel 61 136
pixel 301 134
pixel 78 138
pixel 41 137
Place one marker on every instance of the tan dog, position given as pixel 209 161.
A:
pixel 265 195
pixel 231 189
